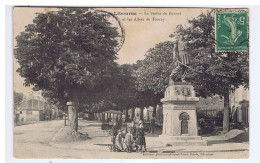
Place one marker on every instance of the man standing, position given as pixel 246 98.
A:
pixel 114 134
pixel 152 125
pixel 137 119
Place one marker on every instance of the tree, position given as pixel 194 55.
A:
pixel 18 99
pixel 153 73
pixel 119 93
pixel 125 92
pixel 68 53
pixel 212 72
pixel 55 98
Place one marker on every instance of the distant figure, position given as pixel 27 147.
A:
pixel 133 130
pixel 140 137
pixel 120 122
pixel 202 123
pixel 114 132
pixel 16 118
pixel 136 119
pixel 116 118
pixel 119 141
pixel 152 125
pixel 129 141
pixel 47 117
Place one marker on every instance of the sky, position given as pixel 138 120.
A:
pixel 140 33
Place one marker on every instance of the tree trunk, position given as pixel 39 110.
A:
pixel 74 117
pixel 126 116
pixel 133 114
pixel 95 116
pixel 101 117
pixel 226 111
pixel 98 117
pixel 154 111
pixel 142 114
pixel 91 116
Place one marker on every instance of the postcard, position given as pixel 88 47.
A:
pixel 131 83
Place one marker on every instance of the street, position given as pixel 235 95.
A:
pixel 49 139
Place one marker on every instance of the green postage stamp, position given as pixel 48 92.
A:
pixel 231 31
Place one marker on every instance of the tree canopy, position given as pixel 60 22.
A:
pixel 152 74
pixel 209 72
pixel 68 53
pixel 18 99
pixel 67 49
pixel 213 72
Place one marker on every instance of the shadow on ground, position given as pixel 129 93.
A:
pixel 240 138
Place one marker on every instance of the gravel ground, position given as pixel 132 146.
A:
pixel 50 140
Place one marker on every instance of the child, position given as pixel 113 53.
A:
pixel 119 144
pixel 140 137
pixel 113 133
pixel 133 130
pixel 129 141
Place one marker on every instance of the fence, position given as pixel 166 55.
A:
pixel 213 116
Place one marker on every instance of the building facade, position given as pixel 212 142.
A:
pixel 239 104
pixel 35 108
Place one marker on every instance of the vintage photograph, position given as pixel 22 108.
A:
pixel 130 83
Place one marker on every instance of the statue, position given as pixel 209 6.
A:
pixel 180 58
pixel 179 102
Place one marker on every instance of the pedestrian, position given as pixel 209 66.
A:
pixel 152 125
pixel 140 137
pixel 133 130
pixel 119 141
pixel 108 119
pixel 120 122
pixel 137 119
pixel 114 132
pixel 129 141
pixel 16 118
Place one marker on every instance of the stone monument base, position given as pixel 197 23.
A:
pixel 183 140
pixel 180 126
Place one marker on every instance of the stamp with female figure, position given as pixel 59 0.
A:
pixel 231 31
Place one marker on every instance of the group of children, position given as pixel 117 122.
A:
pixel 130 140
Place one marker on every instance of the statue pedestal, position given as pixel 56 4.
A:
pixel 179 114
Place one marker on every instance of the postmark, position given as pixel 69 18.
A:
pixel 231 32
pixel 116 22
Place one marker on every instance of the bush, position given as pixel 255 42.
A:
pixel 206 126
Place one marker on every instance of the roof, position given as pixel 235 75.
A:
pixel 113 111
